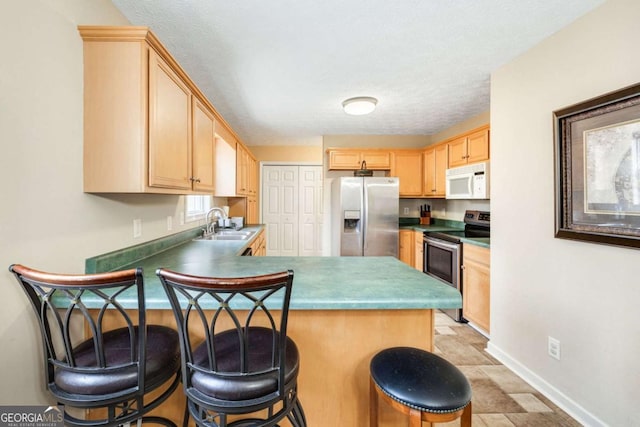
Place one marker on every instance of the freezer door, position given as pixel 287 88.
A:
pixel 381 206
pixel 351 216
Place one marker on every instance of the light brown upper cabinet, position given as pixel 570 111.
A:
pixel 169 127
pixel 470 148
pixel 204 148
pixel 253 176
pixel 242 170
pixel 407 166
pixel 147 127
pixel 351 159
pixel 435 168
pixel 246 172
pixel 252 210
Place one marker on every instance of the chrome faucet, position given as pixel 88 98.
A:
pixel 210 225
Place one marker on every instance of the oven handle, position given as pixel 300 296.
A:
pixel 443 244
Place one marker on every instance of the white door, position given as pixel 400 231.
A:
pixel 280 209
pixel 292 209
pixel 310 190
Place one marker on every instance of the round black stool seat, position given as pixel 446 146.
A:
pixel 420 380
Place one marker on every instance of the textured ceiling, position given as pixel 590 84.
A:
pixel 279 70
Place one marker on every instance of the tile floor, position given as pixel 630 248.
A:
pixel 500 397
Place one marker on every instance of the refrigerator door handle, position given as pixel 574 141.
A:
pixel 364 208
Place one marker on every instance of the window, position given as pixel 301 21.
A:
pixel 196 207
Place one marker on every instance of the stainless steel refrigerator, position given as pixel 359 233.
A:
pixel 365 216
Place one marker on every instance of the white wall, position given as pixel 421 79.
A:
pixel 46 221
pixel 583 294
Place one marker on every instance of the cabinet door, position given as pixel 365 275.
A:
pixel 458 152
pixel 476 285
pixel 440 170
pixel 376 159
pixel 407 166
pixel 252 210
pixel 242 160
pixel 344 160
pixel 478 146
pixel 253 176
pixel 418 251
pixel 169 127
pixel 259 245
pixel 204 148
pixel 406 246
pixel 429 187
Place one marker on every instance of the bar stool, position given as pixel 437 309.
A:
pixel 239 368
pixel 420 384
pixel 112 369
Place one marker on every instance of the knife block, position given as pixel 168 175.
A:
pixel 425 218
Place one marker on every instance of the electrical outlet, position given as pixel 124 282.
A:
pixel 137 228
pixel 554 348
pixel 181 218
pixel 169 223
pixel 406 211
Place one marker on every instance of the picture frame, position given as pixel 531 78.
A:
pixel 597 169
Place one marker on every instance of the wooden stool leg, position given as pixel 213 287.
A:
pixel 373 404
pixel 415 418
pixel 465 420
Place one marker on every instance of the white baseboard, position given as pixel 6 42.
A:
pixel 556 396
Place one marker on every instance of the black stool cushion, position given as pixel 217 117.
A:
pixel 242 387
pixel 420 380
pixel 162 362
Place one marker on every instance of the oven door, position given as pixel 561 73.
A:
pixel 442 260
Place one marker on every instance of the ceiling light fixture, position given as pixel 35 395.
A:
pixel 360 105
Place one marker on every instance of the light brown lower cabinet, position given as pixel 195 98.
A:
pixel 329 358
pixel 259 245
pixel 418 250
pixel 476 285
pixel 405 252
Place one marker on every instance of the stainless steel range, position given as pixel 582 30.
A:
pixel 443 252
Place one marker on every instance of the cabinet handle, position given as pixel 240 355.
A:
pixel 462 267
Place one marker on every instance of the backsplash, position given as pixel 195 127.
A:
pixel 115 260
pixel 404 221
pixel 442 208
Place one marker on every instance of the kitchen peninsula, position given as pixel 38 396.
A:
pixel 343 310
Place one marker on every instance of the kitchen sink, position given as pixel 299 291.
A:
pixel 233 233
pixel 229 235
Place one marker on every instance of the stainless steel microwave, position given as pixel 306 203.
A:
pixel 468 182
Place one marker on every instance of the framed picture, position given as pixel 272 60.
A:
pixel 597 156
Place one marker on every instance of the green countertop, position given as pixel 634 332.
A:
pixel 320 283
pixel 484 242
